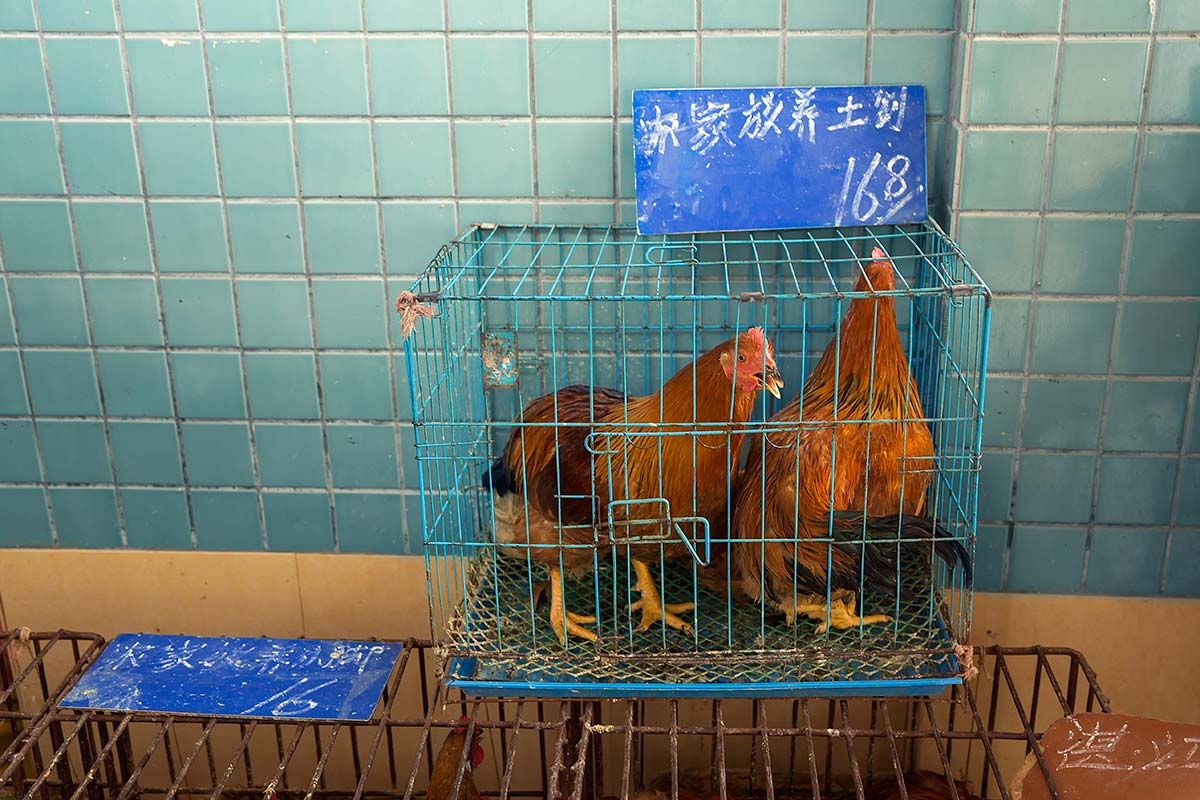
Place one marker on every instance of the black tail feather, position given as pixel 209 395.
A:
pixel 880 562
pixel 498 479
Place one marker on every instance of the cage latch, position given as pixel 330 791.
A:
pixel 961 290
pixel 412 307
pixel 753 297
pixel 661 530
pixel 498 353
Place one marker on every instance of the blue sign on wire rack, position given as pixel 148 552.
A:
pixel 778 157
pixel 300 679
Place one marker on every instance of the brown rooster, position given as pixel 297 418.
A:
pixel 450 759
pixel 922 785
pixel 554 483
pixel 794 478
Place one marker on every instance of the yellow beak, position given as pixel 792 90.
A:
pixel 771 380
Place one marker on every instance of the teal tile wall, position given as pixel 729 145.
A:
pixel 205 206
pixel 1073 129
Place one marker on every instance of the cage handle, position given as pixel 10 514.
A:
pixel 690 249
pixel 657 538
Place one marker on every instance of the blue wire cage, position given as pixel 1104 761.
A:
pixel 517 312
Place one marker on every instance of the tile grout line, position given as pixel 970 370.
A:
pixel 535 176
pixel 452 120
pixel 614 76
pixel 233 283
pixel 869 41
pixel 783 41
pixel 1189 413
pixel 699 40
pixel 301 199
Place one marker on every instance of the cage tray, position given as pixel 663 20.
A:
pixel 514 653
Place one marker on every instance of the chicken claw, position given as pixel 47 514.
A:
pixel 651 605
pixel 561 620
pixel 841 611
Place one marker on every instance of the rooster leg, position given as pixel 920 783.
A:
pixel 841 613
pixel 564 621
pixel 806 605
pixel 652 605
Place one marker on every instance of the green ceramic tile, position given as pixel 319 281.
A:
pixel 356 386
pixel 409 472
pixel 995 486
pixel 74 451
pixel 146 452
pixel 8 334
pixel 1081 255
pixel 1158 338
pixel 77 15
pixel 124 311
pixel 493 159
pixel 328 76
pixel 1003 169
pixel 991 550
pixel 1003 412
pixel 274 313
pixel 342 237
pixel 159 15
pixel 921 58
pixel 209 385
pixel 49 310
pixel 491 75
pixel 1178 15
pixel 290 455
pixel 413 232
pixel 1072 336
pixel 349 313
pixel 281 385
pixel 414 158
pixel 363 456
pixel 1092 170
pixel 367 523
pixel 227 520
pixel 298 522
pixel 1160 188
pixel 135 383
pixel 241 15
pixel 323 15
pixel 1183 567
pixel 20 462
pixel 653 64
pixel 167 76
pixel 23 518
pixel 179 158
pixel 826 60
pixel 739 14
pixel 739 61
pixel 199 312
pixel 23 80
pixel 87 75
pixel 486 15
pixel 72 393
pixel 156 519
pixel 256 159
pixel 1055 488
pixel 266 237
pixel 86 517
pixel 510 213
pixel 679 15
pixel 189 237
pixel 827 15
pixel 1125 561
pixel 1010 322
pixel 113 237
pixel 37 236
pixel 335 159
pixel 1046 559
pixel 1146 416
pixel 900 14
pixel 17 15
pixel 100 158
pixel 29 164
pixel 573 77
pixel 1159 246
pixel 1135 490
pixel 1101 81
pixel 1172 98
pixel 1016 16
pixel 1063 414
pixel 408 76
pixel 404 15
pixel 12 386
pixel 218 453
pixel 575 159
pixel 1011 81
pixel 1002 250
pixel 1107 16
pixel 247 76
pixel 571 15
pixel 1189 493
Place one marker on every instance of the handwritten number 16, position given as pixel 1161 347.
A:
pixel 896 186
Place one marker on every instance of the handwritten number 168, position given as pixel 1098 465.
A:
pixel 895 191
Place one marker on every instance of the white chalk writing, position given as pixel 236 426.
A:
pixel 660 130
pixel 710 125
pixel 291 705
pixel 850 121
pixel 174 656
pixel 761 116
pixel 889 108
pixel 804 113
pixel 1093 749
pixel 895 191
pixel 1167 754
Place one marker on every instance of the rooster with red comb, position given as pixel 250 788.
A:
pixel 450 760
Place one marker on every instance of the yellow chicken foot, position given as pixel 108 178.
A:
pixel 561 620
pixel 652 606
pixel 841 611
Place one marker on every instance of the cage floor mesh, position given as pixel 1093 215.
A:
pixel 732 644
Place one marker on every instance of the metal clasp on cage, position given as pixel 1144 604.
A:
pixel 666 521
pixel 690 258
pixel 498 353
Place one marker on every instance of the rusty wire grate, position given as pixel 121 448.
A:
pixel 575 750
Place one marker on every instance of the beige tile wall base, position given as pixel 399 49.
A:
pixel 1144 650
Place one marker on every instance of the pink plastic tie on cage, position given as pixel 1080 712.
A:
pixel 410 310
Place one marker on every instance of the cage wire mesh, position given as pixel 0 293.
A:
pixel 517 313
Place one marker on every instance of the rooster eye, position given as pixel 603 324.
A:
pixel 741 357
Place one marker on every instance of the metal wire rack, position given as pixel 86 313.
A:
pixel 581 750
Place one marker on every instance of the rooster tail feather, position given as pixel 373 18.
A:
pixel 849 526
pixel 498 479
